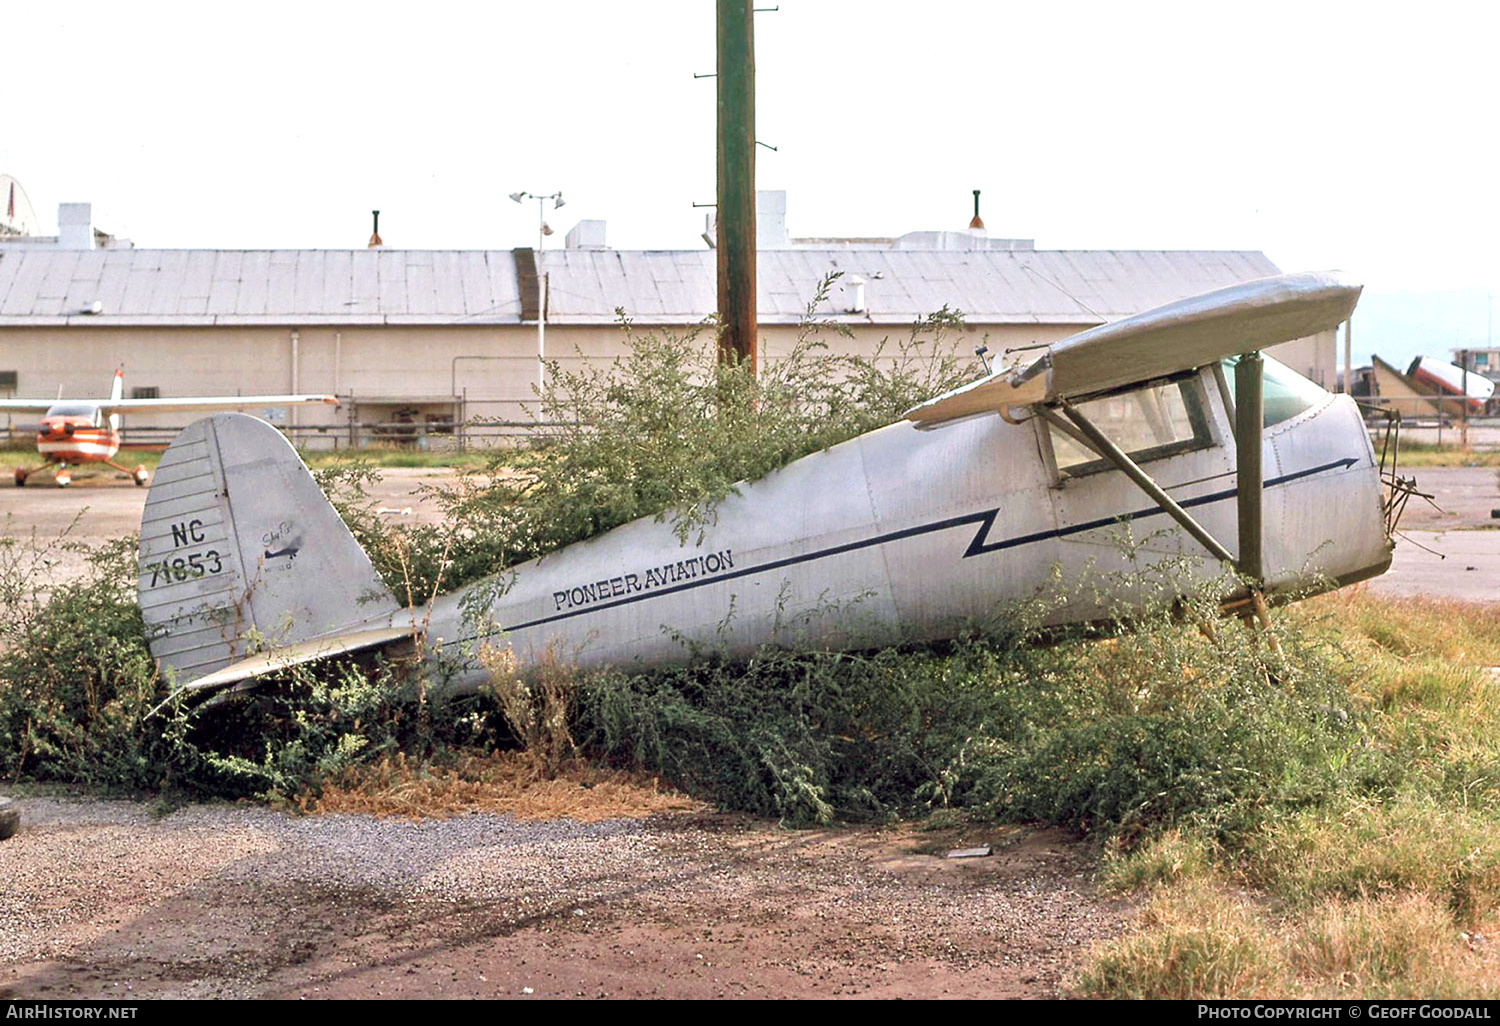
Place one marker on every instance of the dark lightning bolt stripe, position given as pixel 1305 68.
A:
pixel 985 519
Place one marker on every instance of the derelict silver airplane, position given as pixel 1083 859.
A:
pixel 906 533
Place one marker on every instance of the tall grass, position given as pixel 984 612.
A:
pixel 1390 890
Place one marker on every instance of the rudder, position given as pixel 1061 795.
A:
pixel 241 551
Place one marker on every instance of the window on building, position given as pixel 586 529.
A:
pixel 146 392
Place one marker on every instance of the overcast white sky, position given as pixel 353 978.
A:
pixel 1327 134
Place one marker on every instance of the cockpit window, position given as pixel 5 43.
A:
pixel 1285 393
pixel 72 410
pixel 1150 422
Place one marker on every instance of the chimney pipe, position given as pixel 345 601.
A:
pixel 375 240
pixel 977 224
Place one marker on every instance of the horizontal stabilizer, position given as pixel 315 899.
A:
pixel 262 663
pixel 1180 336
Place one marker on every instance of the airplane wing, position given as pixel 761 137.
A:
pixel 222 402
pixel 262 663
pixel 35 405
pixel 1189 333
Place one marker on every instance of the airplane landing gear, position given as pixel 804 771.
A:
pixel 23 474
pixel 140 475
pixel 64 476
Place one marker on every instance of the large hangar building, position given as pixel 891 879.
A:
pixel 417 341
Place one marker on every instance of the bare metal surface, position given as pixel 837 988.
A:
pixel 900 534
pixel 96 511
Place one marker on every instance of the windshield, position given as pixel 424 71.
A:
pixel 1286 393
pixel 72 410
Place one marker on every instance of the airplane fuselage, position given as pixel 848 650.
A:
pixel 909 534
pixel 1018 487
pixel 903 534
pixel 75 439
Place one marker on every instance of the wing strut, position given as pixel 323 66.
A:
pixel 1248 420
pixel 1248 400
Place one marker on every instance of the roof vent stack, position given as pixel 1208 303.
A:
pixel 856 286
pixel 976 223
pixel 586 234
pixel 770 219
pixel 75 228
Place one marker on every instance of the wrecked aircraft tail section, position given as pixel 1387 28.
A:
pixel 241 552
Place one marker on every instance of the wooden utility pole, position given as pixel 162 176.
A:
pixel 736 181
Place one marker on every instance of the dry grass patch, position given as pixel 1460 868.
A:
pixel 1465 633
pixel 1383 884
pixel 514 783
pixel 1451 854
pixel 1426 454
pixel 1396 946
pixel 1175 855
pixel 1203 940
pixel 1196 940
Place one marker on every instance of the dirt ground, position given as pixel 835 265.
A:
pixel 103 901
pixel 106 900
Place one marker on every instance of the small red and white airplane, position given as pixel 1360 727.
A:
pixel 75 431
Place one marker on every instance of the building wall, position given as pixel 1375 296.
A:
pixel 438 372
pixel 1315 357
pixel 1484 361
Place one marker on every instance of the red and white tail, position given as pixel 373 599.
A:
pixel 116 393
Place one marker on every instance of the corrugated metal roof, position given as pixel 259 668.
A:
pixel 987 286
pixel 388 286
pixel 281 286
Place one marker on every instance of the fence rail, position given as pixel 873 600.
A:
pixel 436 436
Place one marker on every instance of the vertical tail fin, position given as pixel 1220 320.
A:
pixel 116 393
pixel 241 551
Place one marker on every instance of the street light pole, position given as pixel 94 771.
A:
pixel 542 231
